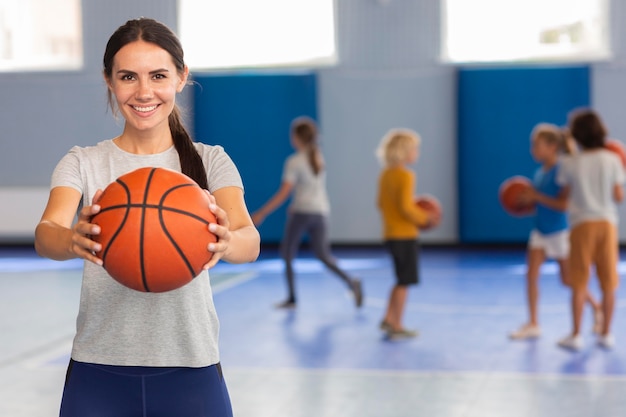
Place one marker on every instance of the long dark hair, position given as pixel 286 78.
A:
pixel 305 130
pixel 152 31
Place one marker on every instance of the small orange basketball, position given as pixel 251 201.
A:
pixel 618 147
pixel 154 229
pixel 509 194
pixel 431 204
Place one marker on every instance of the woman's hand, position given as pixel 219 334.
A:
pixel 221 230
pixel 82 245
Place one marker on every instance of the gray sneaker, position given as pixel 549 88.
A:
pixel 402 334
pixel 357 290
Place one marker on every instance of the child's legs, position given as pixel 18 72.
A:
pixel 582 244
pixel 321 246
pixel 535 258
pixel 405 260
pixel 294 230
pixel 395 307
pixel 558 248
pixel 606 256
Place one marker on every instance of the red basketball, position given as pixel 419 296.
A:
pixel 431 204
pixel 154 229
pixel 509 193
pixel 616 146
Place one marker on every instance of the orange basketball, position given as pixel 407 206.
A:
pixel 431 204
pixel 154 229
pixel 616 146
pixel 509 193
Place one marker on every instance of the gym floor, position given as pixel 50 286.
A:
pixel 328 359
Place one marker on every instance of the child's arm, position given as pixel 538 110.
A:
pixel 618 193
pixel 273 203
pixel 410 210
pixel 558 203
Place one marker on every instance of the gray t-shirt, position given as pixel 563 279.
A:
pixel 120 326
pixel 309 195
pixel 591 176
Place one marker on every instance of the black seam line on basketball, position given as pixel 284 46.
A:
pixel 167 233
pixel 155 206
pixel 119 228
pixel 142 227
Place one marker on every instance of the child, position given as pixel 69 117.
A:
pixel 401 221
pixel 550 235
pixel 592 181
pixel 305 177
pixel 144 353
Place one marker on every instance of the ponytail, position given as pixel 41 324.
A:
pixel 190 160
pixel 305 130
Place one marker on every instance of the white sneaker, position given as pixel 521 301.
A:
pixel 527 331
pixel 571 342
pixel 606 341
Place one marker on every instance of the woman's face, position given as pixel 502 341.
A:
pixel 144 82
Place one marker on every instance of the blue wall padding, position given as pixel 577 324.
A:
pixel 249 115
pixel 497 110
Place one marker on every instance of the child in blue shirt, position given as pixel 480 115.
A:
pixel 549 238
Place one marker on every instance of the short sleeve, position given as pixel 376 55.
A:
pixel 562 173
pixel 290 171
pixel 67 172
pixel 221 170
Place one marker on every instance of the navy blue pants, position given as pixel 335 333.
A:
pixel 93 390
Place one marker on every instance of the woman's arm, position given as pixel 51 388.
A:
pixel 238 240
pixel 56 238
pixel 273 203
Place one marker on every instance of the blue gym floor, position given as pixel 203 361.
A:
pixel 328 359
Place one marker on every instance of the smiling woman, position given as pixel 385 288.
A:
pixel 170 338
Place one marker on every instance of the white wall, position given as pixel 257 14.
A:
pixel 609 88
pixel 388 77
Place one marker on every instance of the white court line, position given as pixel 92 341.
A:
pixel 238 279
pixel 419 373
pixel 477 309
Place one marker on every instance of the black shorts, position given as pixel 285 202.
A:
pixel 405 254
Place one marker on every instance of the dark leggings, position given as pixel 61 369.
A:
pixel 93 390
pixel 315 226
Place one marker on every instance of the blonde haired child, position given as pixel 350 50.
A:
pixel 549 237
pixel 401 219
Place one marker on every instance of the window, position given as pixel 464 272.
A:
pixel 252 33
pixel 40 35
pixel 525 30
